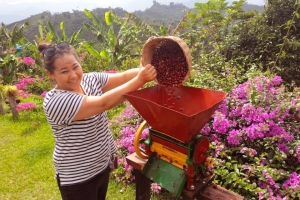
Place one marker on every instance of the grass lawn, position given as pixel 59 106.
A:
pixel 27 170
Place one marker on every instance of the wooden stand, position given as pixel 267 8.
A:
pixel 204 190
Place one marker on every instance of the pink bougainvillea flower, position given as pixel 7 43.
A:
pixel 25 106
pixel 44 94
pixel 28 61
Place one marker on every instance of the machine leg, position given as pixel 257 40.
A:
pixel 190 178
pixel 143 185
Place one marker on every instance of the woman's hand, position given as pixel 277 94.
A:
pixel 147 73
pixel 141 62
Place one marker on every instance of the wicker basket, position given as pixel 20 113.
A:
pixel 152 42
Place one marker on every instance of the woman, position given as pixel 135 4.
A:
pixel 76 111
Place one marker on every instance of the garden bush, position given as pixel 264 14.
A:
pixel 255 140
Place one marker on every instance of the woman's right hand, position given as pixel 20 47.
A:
pixel 147 73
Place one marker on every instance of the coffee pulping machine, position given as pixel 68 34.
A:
pixel 175 150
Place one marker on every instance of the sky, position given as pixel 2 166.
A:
pixel 15 10
pixel 109 2
pixel 257 2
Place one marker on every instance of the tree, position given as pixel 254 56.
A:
pixel 271 40
pixel 210 24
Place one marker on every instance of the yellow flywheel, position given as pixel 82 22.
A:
pixel 137 141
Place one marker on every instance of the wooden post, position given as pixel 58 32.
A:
pixel 2 112
pixel 13 105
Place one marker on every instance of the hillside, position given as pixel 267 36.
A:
pixel 73 21
pixel 157 14
pixel 160 12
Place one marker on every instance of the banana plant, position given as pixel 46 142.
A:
pixel 10 38
pixel 49 34
pixel 8 67
pixel 113 46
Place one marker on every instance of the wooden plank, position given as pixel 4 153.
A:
pixel 135 161
pixel 215 192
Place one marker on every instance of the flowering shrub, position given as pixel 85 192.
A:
pixel 28 61
pixel 33 85
pixel 156 188
pixel 23 82
pixel 10 51
pixel 25 106
pixel 124 126
pixel 255 140
pixel 23 94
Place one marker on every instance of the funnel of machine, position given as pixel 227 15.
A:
pixel 178 112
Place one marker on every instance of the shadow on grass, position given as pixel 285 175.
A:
pixel 36 153
pixel 28 122
pixel 33 127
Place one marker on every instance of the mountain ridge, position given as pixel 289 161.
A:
pixel 157 15
pixel 11 13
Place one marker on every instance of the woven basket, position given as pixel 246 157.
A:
pixel 152 42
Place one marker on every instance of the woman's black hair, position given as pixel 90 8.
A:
pixel 49 61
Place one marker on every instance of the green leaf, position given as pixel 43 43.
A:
pixel 62 25
pixel 111 32
pixel 62 28
pixel 76 35
pixel 236 169
pixel 92 51
pixel 90 28
pixel 104 54
pixel 108 18
pixel 88 13
pixel 163 30
pixel 41 31
pixel 96 21
pixel 228 165
pixel 101 38
pixel 112 38
pixel 52 31
pixel 253 96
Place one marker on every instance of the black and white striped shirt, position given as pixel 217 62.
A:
pixel 82 148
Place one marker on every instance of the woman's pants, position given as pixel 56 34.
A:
pixel 93 189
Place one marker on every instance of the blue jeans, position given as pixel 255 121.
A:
pixel 93 189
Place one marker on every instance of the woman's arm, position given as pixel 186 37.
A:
pixel 118 79
pixel 93 105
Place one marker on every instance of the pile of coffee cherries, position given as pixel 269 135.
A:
pixel 170 63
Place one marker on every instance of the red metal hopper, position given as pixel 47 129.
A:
pixel 179 112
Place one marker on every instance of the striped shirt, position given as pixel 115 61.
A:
pixel 83 147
